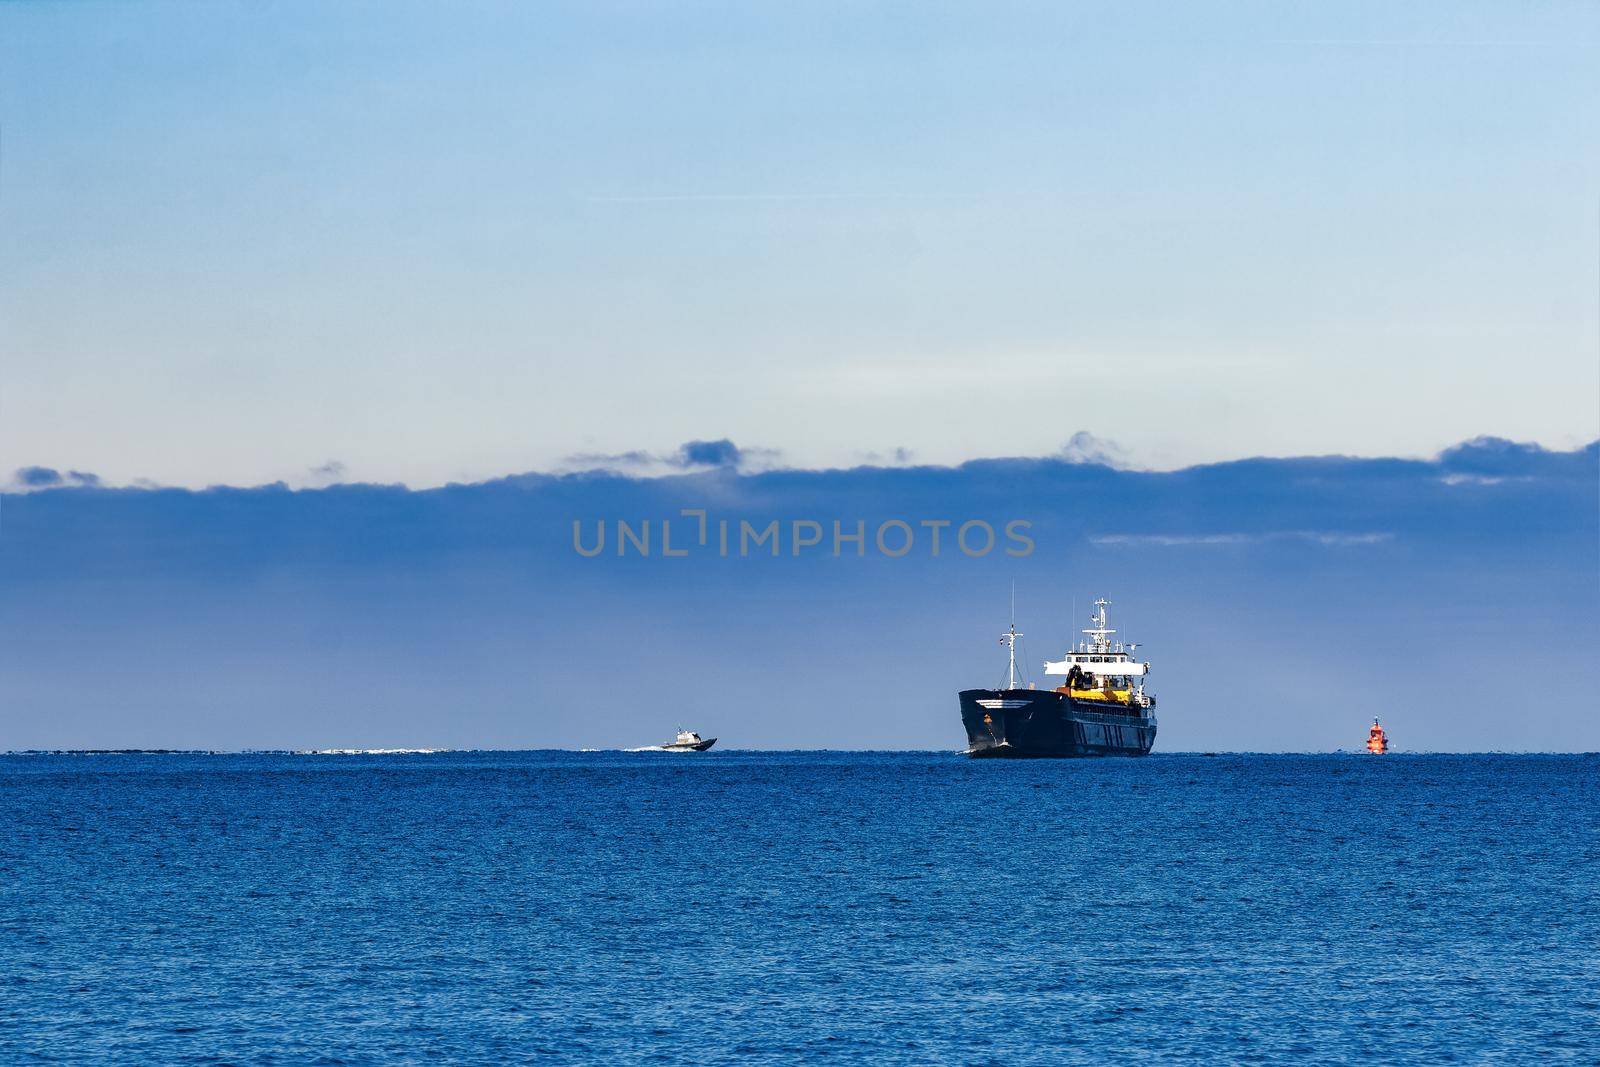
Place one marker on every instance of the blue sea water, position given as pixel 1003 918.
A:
pixel 782 907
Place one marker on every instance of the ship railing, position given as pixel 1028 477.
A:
pixel 1112 718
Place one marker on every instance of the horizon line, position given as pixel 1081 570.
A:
pixel 422 751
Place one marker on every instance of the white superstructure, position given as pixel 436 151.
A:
pixel 1102 658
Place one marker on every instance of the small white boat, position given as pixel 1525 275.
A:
pixel 689 741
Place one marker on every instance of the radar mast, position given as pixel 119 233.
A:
pixel 1100 634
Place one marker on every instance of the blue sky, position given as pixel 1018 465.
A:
pixel 447 242
pixel 386 295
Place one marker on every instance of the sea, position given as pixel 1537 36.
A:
pixel 790 907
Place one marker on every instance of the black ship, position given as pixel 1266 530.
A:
pixel 1100 709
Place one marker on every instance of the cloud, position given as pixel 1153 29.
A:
pixel 1319 537
pixel 50 478
pixel 588 461
pixel 1085 447
pixel 720 454
pixel 1344 538
pixel 331 471
pixel 1481 458
pixel 897 457
pixel 1170 540
pixel 38 477
pixel 225 585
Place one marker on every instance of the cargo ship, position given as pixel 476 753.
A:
pixel 1100 708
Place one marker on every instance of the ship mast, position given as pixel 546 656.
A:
pixel 1009 639
pixel 1099 632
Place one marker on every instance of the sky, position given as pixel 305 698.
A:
pixel 321 324
pixel 425 243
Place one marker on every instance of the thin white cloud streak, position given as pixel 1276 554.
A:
pixel 1482 479
pixel 1319 537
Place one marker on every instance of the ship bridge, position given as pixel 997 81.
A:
pixel 1100 655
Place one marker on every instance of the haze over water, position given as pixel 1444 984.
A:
pixel 745 907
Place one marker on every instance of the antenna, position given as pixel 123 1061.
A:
pixel 1009 639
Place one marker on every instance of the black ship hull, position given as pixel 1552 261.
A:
pixel 1031 723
